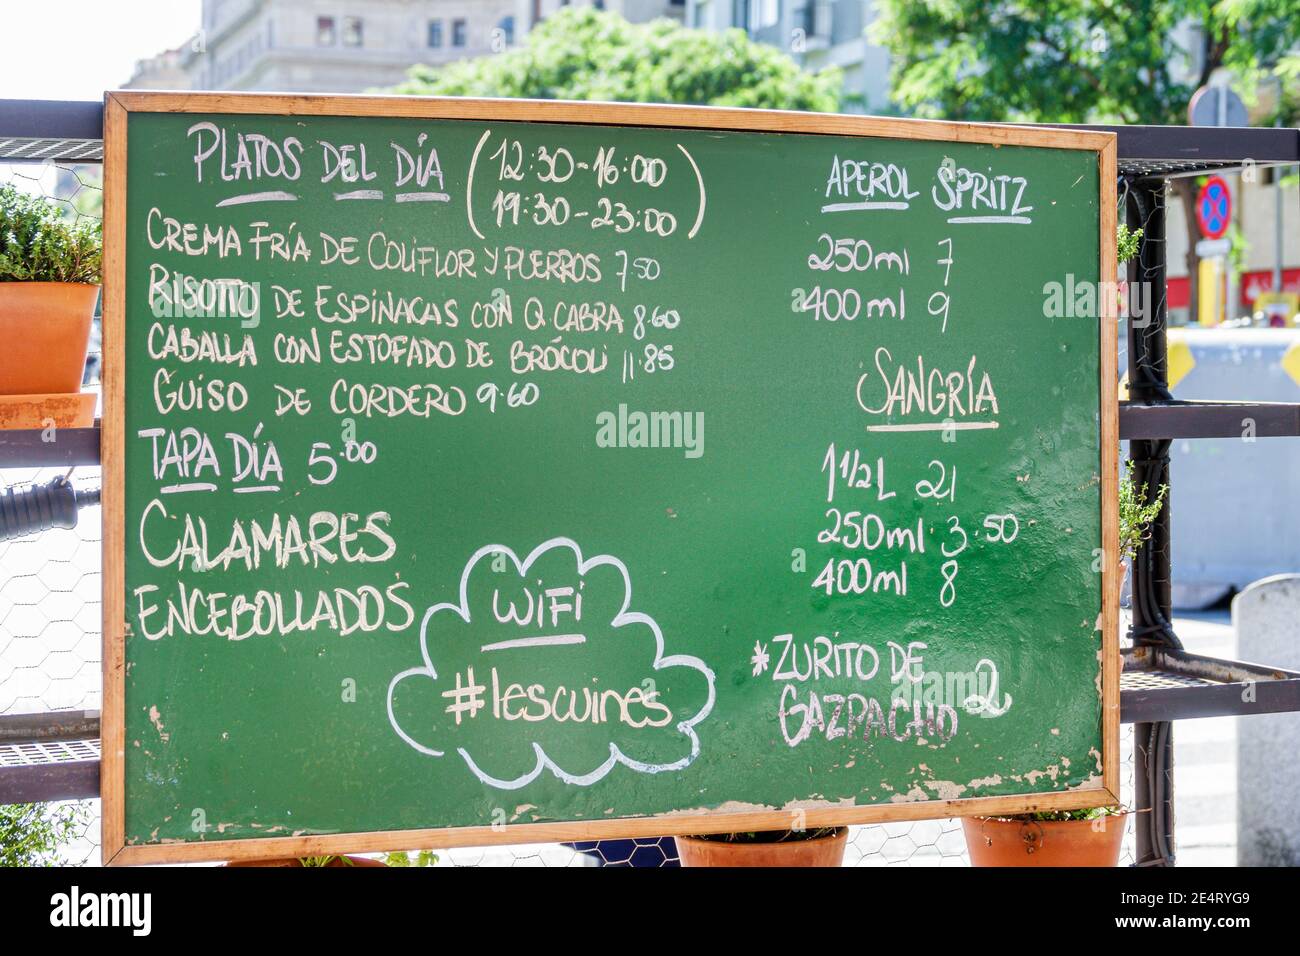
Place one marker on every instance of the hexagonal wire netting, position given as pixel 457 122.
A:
pixel 50 636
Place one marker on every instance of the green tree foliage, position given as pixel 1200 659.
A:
pixel 1074 61
pixel 584 54
pixel 33 834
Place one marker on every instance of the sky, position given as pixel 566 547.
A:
pixel 77 49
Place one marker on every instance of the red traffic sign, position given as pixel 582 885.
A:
pixel 1214 208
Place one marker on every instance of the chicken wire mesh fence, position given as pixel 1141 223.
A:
pixel 50 640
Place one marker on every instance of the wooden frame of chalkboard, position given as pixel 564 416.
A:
pixel 118 105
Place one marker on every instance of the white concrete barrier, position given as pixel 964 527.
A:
pixel 1266 616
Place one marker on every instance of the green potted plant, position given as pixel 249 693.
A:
pixel 309 862
pixel 1090 837
pixel 816 846
pixel 49 282
pixel 397 858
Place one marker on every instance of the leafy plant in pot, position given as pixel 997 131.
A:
pixel 397 858
pixel 818 846
pixel 308 862
pixel 49 282
pixel 1090 837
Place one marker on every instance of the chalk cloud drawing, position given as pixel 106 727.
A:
pixel 439 638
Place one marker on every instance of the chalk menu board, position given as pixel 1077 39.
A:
pixel 486 471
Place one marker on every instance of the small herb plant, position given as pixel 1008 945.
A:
pixel 1089 813
pixel 421 858
pixel 396 858
pixel 769 836
pixel 37 244
pixel 1136 512
pixel 1060 816
pixel 1127 242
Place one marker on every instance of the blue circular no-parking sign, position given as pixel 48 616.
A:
pixel 1214 208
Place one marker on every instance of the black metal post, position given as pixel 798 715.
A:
pixel 1151 592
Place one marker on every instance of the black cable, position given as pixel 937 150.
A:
pixel 1142 378
pixel 24 511
pixel 1149 622
pixel 1158 746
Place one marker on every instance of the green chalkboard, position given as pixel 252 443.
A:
pixel 496 479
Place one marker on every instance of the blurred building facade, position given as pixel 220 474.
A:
pixel 637 11
pixel 321 46
pixel 324 46
pixel 817 33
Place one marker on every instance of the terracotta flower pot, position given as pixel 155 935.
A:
pixel 44 330
pixel 294 861
pixel 1004 842
pixel 65 410
pixel 822 851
